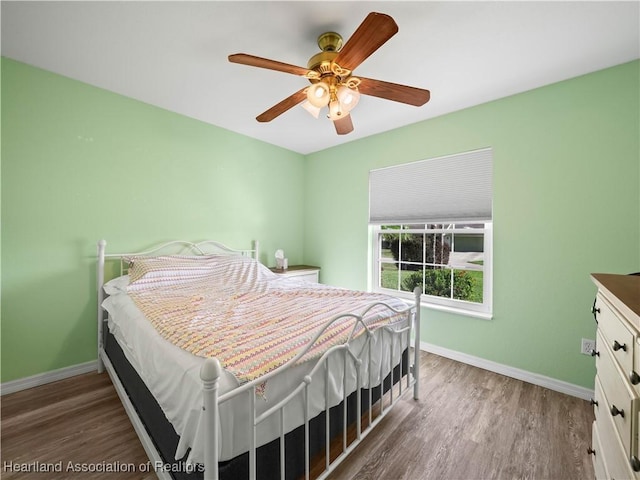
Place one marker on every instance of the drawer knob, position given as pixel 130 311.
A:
pixel 617 346
pixel 634 378
pixel 635 463
pixel 615 411
pixel 593 402
pixel 591 451
pixel 595 353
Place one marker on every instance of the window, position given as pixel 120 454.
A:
pixel 448 261
pixel 432 227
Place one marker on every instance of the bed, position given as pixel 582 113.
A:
pixel 228 370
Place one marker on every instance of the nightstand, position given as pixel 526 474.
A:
pixel 307 273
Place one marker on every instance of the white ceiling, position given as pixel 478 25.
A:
pixel 174 54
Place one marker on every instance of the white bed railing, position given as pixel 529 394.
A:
pixel 211 371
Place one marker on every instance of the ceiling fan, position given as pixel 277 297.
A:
pixel 330 74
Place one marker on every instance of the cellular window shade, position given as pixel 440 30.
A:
pixel 454 188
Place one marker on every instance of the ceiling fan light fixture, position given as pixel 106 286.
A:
pixel 318 94
pixel 336 112
pixel 348 97
pixel 312 109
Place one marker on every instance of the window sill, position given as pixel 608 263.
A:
pixel 445 308
pixel 457 311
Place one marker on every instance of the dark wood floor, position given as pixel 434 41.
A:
pixel 469 424
pixel 474 424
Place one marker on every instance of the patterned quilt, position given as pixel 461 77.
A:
pixel 236 310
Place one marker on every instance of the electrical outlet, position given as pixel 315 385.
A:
pixel 587 346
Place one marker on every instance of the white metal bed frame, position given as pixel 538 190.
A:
pixel 211 371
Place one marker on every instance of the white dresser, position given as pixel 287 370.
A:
pixel 616 402
pixel 307 273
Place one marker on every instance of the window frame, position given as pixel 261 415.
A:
pixel 482 310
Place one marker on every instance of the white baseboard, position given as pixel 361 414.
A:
pixel 47 377
pixel 524 375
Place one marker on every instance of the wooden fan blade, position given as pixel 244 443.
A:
pixel 393 91
pixel 372 33
pixel 343 125
pixel 279 108
pixel 254 61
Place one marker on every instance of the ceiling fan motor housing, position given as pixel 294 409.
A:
pixel 321 62
pixel 330 43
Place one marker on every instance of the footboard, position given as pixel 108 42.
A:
pixel 211 371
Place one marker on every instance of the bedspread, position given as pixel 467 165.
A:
pixel 250 319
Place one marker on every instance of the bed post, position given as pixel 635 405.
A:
pixel 101 248
pixel 256 250
pixel 416 348
pixel 209 374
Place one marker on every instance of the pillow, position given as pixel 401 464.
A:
pixel 219 271
pixel 139 267
pixel 116 285
pixel 168 267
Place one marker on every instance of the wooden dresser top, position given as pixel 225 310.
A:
pixel 625 288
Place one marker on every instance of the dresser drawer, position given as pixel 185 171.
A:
pixel 635 458
pixel 305 273
pixel 615 460
pixel 619 398
pixel 634 376
pixel 599 467
pixel 308 277
pixel 599 402
pixel 618 336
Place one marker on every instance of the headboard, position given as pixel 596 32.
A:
pixel 176 247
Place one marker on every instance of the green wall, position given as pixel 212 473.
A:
pixel 566 203
pixel 80 164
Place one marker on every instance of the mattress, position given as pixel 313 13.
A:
pixel 172 375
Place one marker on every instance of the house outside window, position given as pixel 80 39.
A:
pixel 432 228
